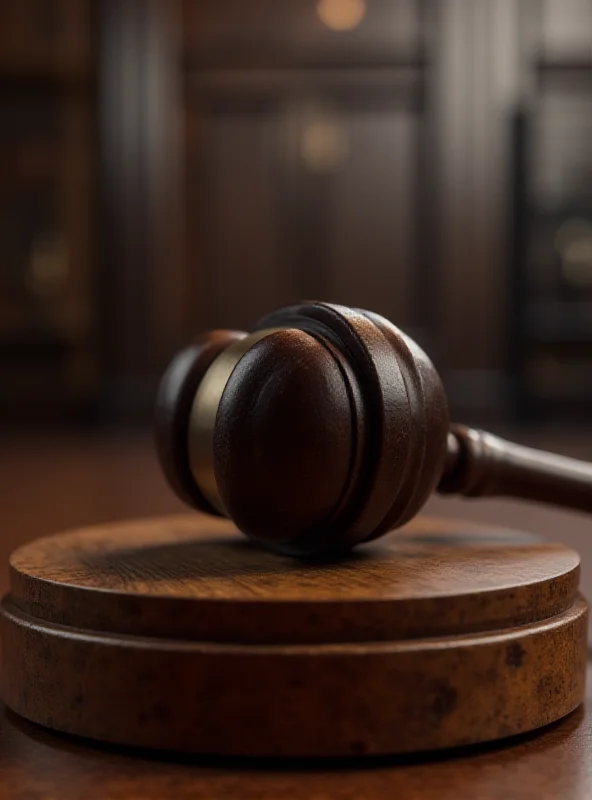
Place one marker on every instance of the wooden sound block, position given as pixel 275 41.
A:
pixel 178 633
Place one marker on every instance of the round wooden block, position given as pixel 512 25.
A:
pixel 178 633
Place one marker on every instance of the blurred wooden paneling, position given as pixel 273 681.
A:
pixel 293 192
pixel 565 31
pixel 143 271
pixel 372 220
pixel 45 37
pixel 46 290
pixel 232 33
pixel 233 219
pixel 250 153
pixel 474 89
pixel 552 231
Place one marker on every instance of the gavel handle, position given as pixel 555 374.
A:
pixel 480 464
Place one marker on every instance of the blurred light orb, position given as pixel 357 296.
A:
pixel 324 145
pixel 577 263
pixel 574 242
pixel 48 266
pixel 341 15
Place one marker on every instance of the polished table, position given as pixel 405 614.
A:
pixel 106 478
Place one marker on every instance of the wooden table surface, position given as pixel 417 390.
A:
pixel 54 482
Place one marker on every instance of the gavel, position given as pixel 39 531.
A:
pixel 325 427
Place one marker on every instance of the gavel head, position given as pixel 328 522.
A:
pixel 322 428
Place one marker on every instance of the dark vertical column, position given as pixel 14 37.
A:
pixel 516 342
pixel 140 265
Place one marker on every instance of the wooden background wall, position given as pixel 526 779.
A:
pixel 244 154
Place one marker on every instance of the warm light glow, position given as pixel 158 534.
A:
pixel 574 242
pixel 324 144
pixel 341 15
pixel 577 262
pixel 48 266
pixel 569 231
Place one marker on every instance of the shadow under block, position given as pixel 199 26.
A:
pixel 178 633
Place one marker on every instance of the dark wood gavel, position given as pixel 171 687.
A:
pixel 325 427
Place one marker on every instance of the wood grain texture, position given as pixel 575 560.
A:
pixel 483 465
pixel 173 634
pixel 82 481
pixel 150 577
pixel 553 763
